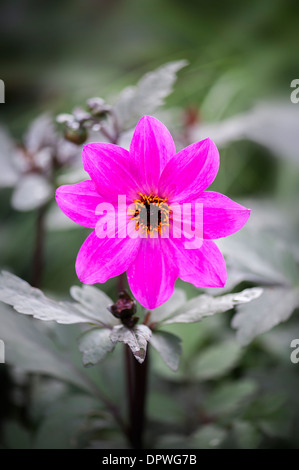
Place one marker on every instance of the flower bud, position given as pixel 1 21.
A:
pixel 125 309
pixel 65 118
pixel 76 136
pixel 98 107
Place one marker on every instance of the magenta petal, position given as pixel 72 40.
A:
pixel 203 267
pixel 190 172
pixel 111 169
pixel 221 215
pixel 99 259
pixel 79 202
pixel 151 148
pixel 152 274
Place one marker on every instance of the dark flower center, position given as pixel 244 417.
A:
pixel 151 214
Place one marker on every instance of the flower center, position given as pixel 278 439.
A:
pixel 151 214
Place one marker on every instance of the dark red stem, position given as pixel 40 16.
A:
pixel 38 255
pixel 137 387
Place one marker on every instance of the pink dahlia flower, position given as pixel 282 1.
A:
pixel 151 175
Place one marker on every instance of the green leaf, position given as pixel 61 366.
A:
pixel 168 346
pixel 270 124
pixel 32 301
pixel 28 347
pixel 94 344
pixel 16 436
pixel 95 303
pixel 61 427
pixel 275 306
pixel 229 397
pixel 216 360
pixel 209 436
pixel 252 252
pixel 136 338
pixel 147 95
pixel 173 441
pixel 177 300
pixel 164 408
pixel 271 413
pixel 246 435
pixel 205 305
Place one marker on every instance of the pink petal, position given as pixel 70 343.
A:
pixel 221 215
pixel 99 259
pixel 111 169
pixel 152 274
pixel 190 172
pixel 203 267
pixel 79 202
pixel 151 148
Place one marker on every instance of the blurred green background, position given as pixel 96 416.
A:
pixel 55 55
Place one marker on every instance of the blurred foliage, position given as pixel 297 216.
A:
pixel 54 56
pixel 59 53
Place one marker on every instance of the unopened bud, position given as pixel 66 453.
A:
pixel 80 115
pixel 125 310
pixel 65 118
pixel 98 107
pixel 76 136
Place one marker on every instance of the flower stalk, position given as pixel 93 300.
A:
pixel 38 255
pixel 137 381
pixel 136 372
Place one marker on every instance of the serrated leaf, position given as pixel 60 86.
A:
pixel 136 338
pixel 270 124
pixel 147 95
pixel 168 346
pixel 275 306
pixel 253 253
pixel 32 191
pixel 32 301
pixel 177 300
pixel 29 348
pixel 95 302
pixel 94 344
pixel 205 305
pixel 216 360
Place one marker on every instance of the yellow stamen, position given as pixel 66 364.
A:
pixel 147 207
